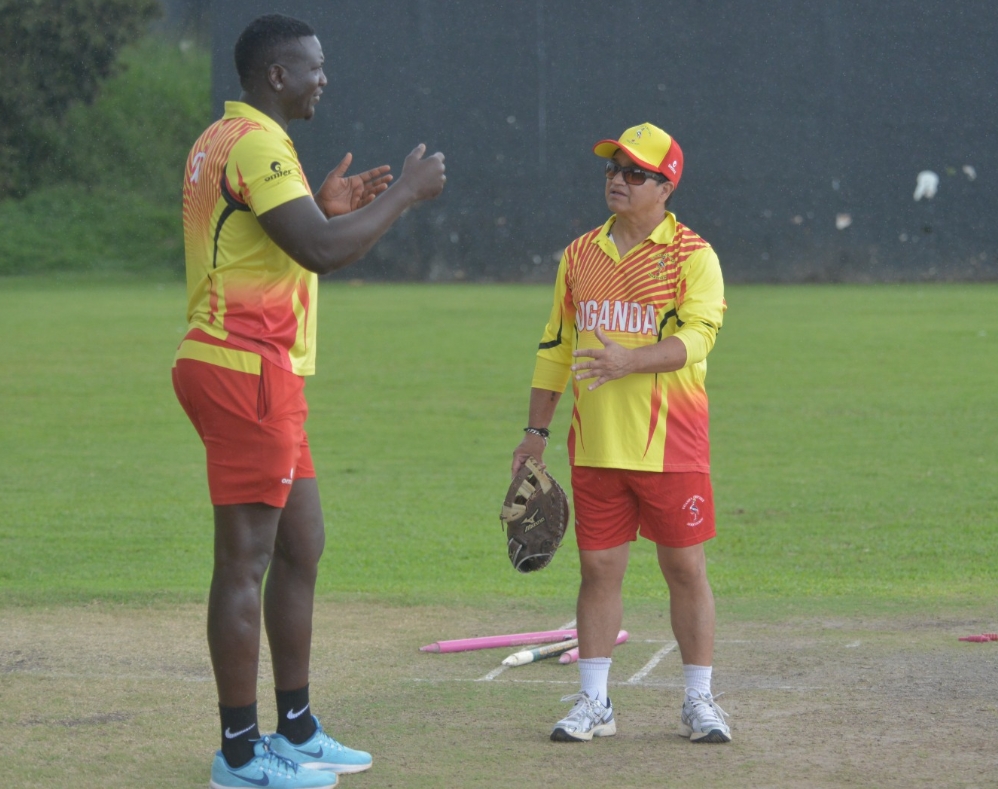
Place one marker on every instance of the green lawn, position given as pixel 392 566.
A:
pixel 853 429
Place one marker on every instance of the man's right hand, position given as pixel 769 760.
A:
pixel 423 177
pixel 531 446
pixel 323 244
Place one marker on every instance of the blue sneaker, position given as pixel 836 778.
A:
pixel 321 752
pixel 268 769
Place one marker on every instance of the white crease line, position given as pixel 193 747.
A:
pixel 629 683
pixel 716 641
pixel 508 680
pixel 742 688
pixel 492 674
pixel 99 676
pixel 651 663
pixel 500 668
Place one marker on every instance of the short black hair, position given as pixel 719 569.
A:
pixel 259 42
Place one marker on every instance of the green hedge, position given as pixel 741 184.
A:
pixel 54 55
pixel 116 203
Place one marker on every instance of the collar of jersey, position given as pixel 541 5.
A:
pixel 662 234
pixel 240 109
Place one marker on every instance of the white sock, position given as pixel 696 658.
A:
pixel 594 673
pixel 697 677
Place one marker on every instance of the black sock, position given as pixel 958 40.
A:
pixel 294 718
pixel 239 730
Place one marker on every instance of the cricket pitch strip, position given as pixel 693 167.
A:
pixel 111 696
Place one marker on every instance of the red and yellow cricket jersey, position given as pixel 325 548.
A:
pixel 241 287
pixel 669 285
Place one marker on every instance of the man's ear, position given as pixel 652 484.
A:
pixel 668 188
pixel 275 76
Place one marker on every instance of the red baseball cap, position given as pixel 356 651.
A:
pixel 649 147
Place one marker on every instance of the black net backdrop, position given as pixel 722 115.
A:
pixel 805 127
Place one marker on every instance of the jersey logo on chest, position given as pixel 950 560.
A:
pixel 665 269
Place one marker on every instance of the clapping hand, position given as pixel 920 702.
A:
pixel 424 176
pixel 341 194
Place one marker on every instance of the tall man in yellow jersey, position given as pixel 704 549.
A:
pixel 255 239
pixel 638 304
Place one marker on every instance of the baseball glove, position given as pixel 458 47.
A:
pixel 535 516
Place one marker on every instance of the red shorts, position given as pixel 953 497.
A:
pixel 252 426
pixel 612 505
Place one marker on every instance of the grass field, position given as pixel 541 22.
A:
pixel 854 464
pixel 853 443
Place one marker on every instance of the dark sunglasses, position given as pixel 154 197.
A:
pixel 633 176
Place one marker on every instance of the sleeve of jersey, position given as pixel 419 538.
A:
pixel 552 368
pixel 702 305
pixel 264 172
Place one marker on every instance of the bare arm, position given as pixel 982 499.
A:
pixel 323 245
pixel 543 403
pixel 615 361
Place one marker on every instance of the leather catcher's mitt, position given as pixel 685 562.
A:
pixel 535 516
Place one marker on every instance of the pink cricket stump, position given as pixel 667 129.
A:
pixel 573 654
pixel 492 642
pixel 982 638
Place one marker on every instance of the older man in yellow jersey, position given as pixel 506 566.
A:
pixel 638 304
pixel 256 238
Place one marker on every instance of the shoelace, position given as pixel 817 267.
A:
pixel 592 707
pixel 699 702
pixel 276 762
pixel 328 741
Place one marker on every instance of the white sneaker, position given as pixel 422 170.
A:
pixel 588 719
pixel 702 720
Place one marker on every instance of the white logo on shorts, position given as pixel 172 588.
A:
pixel 290 478
pixel 692 506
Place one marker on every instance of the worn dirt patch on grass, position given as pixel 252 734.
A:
pixel 127 697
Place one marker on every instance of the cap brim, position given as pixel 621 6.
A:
pixel 607 148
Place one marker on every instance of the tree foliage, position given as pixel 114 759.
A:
pixel 54 54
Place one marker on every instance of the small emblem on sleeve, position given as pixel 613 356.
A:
pixel 278 170
pixel 196 166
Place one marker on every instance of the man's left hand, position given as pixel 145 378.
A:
pixel 611 361
pixel 341 194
